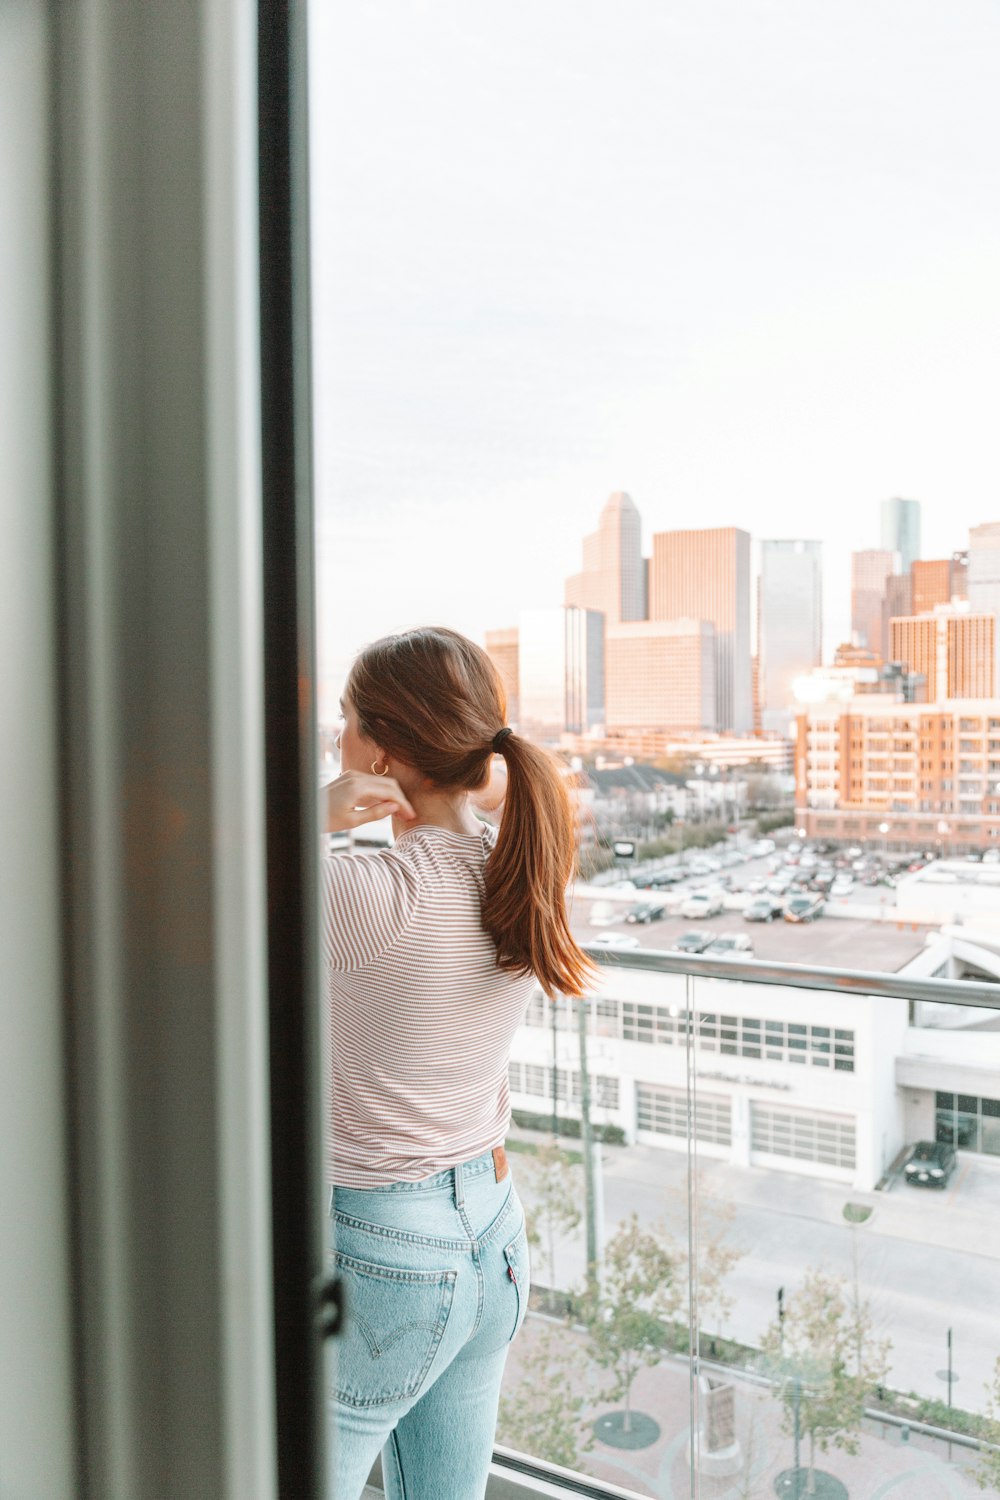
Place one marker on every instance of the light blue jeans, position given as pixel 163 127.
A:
pixel 435 1276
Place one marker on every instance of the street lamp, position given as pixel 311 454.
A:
pixel 883 829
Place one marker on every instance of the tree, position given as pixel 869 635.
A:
pixel 987 1475
pixel 826 1360
pixel 542 1416
pixel 556 1196
pixel 626 1317
pixel 716 1259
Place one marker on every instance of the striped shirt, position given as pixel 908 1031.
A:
pixel 421 1017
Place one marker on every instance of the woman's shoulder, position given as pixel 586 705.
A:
pixel 368 901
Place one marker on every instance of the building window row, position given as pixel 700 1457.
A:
pixel 531 1078
pixel 752 1037
pixel 969 1122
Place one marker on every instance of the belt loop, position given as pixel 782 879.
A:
pixel 459 1187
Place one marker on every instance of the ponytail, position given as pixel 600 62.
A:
pixel 434 700
pixel 524 907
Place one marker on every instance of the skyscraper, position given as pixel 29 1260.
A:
pixel 560 671
pixel 983 578
pixel 705 575
pixel 613 579
pixel 952 648
pixel 901 530
pixel 897 600
pixel 789 624
pixel 503 649
pixel 869 571
pixel 933 584
pixel 661 675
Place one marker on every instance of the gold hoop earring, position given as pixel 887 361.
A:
pixel 375 770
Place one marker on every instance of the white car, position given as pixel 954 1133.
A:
pixel 672 901
pixel 737 900
pixel 702 904
pixel 729 944
pixel 762 847
pixel 842 886
pixel 615 940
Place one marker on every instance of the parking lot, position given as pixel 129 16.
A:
pixel 858 930
pixel 829 942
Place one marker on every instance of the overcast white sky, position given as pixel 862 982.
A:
pixel 737 257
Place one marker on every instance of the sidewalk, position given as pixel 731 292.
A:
pixel 918 1215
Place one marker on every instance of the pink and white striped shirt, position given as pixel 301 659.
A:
pixel 421 1017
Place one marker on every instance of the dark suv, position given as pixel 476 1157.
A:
pixel 645 911
pixel 930 1164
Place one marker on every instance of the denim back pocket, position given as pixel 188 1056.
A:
pixel 519 1273
pixel 394 1322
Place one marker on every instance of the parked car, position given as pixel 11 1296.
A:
pixel 614 940
pixel 645 911
pixel 824 880
pixel 763 909
pixel 930 1164
pixel 672 901
pixel 728 944
pixel 702 904
pixel 779 885
pixel 737 900
pixel 667 877
pixel 692 942
pixel 842 886
pixel 804 909
pixel 762 848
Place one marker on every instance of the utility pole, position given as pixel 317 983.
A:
pixel 796 1406
pixel 553 1002
pixel 781 1320
pixel 587 1138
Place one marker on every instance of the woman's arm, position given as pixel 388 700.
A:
pixel 355 798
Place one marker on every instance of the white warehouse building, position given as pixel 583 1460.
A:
pixel 826 1084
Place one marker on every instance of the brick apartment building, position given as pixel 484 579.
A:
pixel 913 775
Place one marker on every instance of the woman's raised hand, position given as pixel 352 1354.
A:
pixel 357 797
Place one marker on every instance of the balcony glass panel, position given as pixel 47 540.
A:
pixel 825 1268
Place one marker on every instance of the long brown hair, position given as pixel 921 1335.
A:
pixel 434 700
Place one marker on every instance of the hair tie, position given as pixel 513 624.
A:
pixel 498 740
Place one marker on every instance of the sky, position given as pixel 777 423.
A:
pixel 740 258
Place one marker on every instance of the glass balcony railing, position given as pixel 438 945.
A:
pixel 763 1202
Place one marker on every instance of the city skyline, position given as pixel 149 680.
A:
pixel 559 253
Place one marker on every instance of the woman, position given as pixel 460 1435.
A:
pixel 432 950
